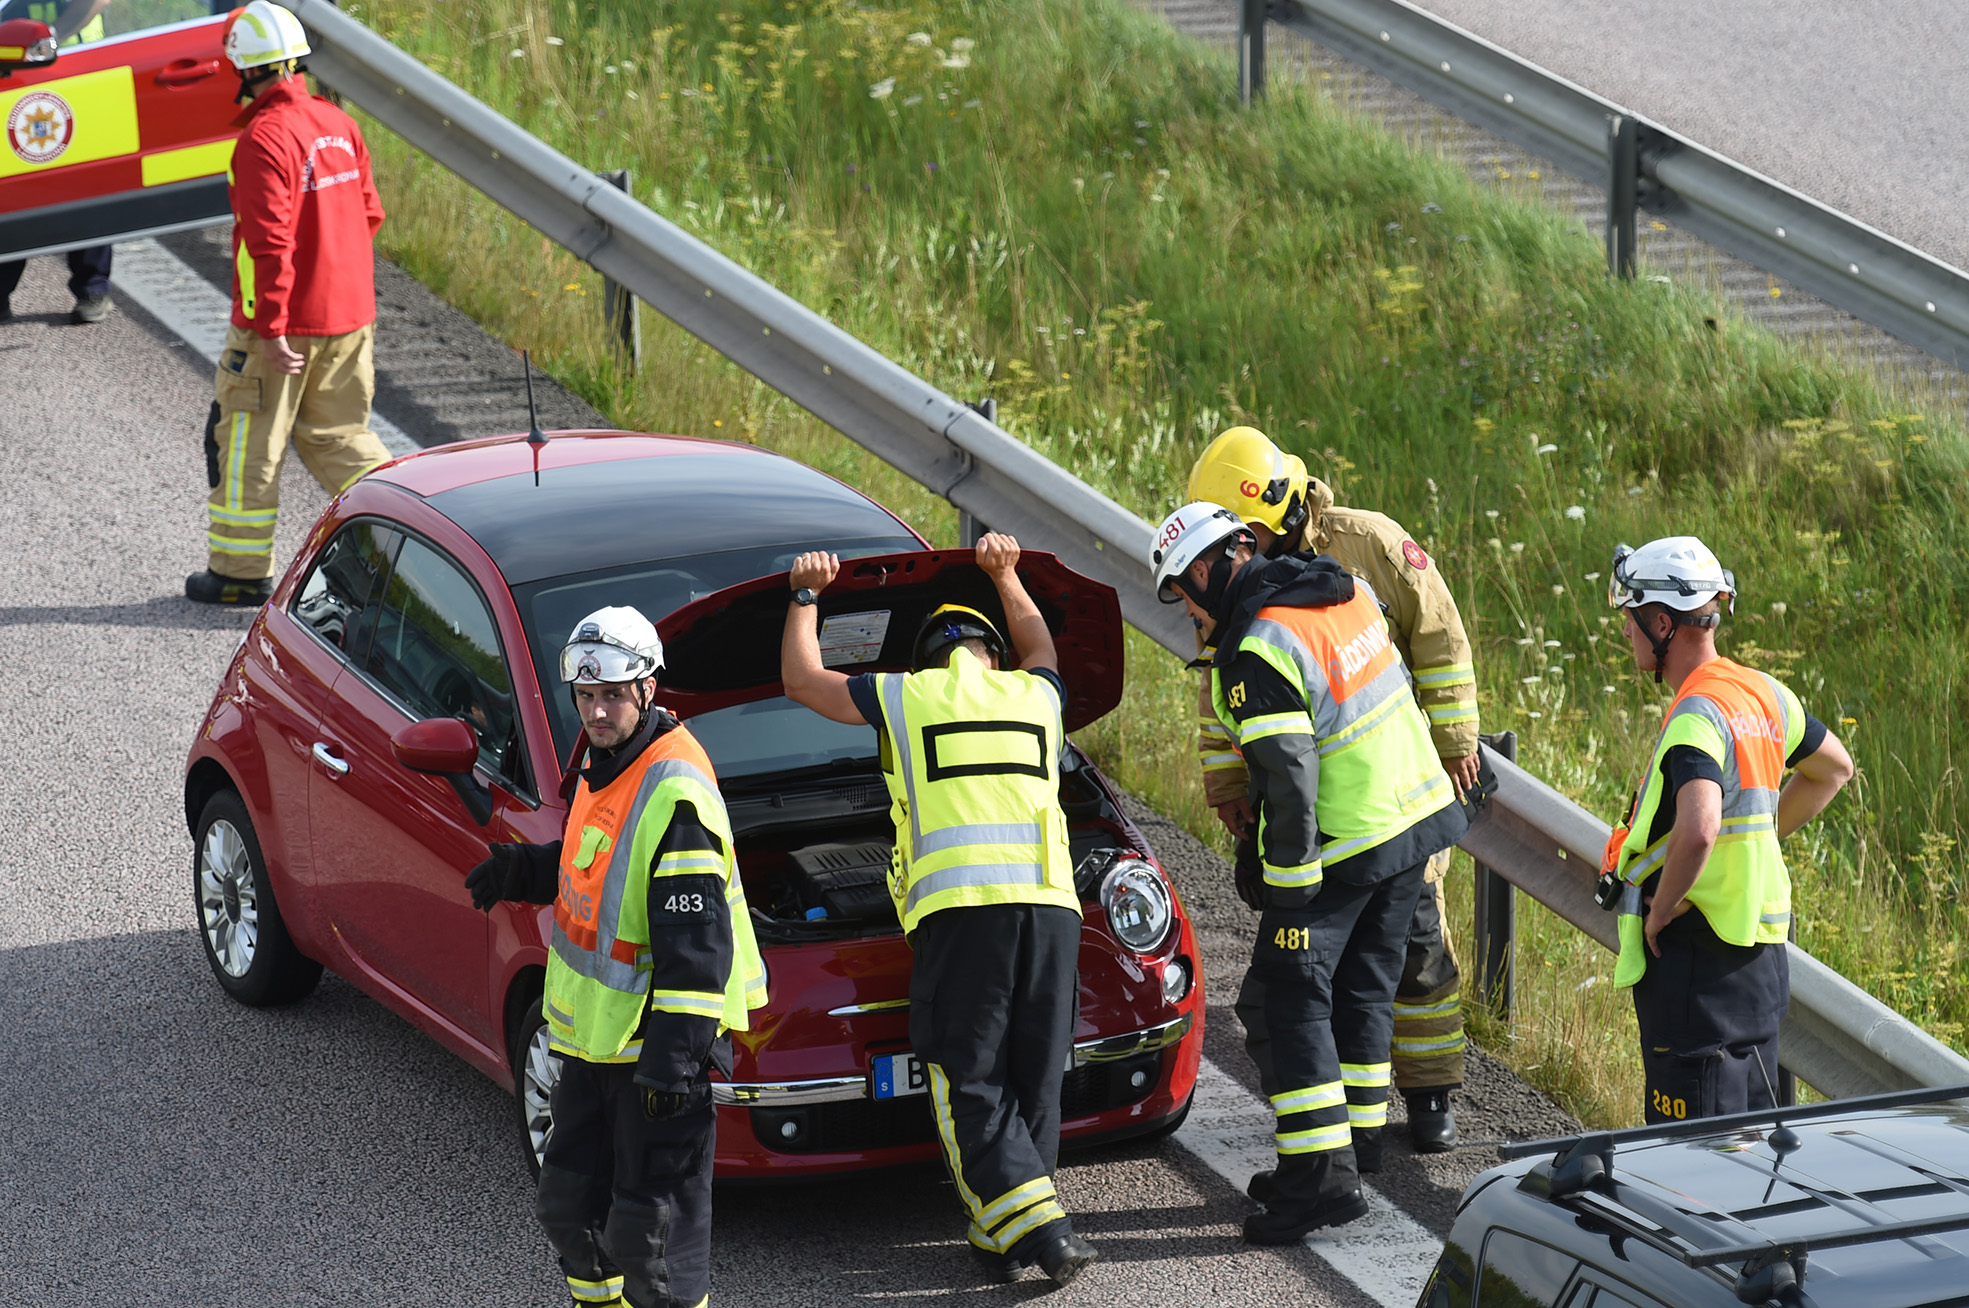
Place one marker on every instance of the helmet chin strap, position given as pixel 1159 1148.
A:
pixel 1675 620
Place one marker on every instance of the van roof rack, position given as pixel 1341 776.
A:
pixel 1581 1175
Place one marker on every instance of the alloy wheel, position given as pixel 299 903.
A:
pixel 228 902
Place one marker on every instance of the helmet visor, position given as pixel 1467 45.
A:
pixel 1619 594
pixel 595 661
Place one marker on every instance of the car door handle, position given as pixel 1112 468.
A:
pixel 326 757
pixel 183 72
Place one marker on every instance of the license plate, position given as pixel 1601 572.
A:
pixel 899 1075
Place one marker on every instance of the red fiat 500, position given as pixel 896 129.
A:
pixel 394 708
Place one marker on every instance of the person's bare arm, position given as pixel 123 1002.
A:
pixel 998 555
pixel 806 680
pixel 1817 778
pixel 1698 820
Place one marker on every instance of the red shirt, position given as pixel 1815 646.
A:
pixel 304 212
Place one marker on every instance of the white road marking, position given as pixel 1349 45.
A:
pixel 1387 1253
pixel 198 312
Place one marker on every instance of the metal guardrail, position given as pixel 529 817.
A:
pixel 1869 274
pixel 1839 1039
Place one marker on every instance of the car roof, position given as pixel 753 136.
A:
pixel 1846 1176
pixel 610 498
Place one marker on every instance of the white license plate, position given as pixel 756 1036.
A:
pixel 899 1075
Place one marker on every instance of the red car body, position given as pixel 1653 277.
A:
pixel 118 138
pixel 366 857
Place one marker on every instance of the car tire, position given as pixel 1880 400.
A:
pixel 246 943
pixel 536 1070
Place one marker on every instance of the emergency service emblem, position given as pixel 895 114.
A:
pixel 40 126
pixel 1413 553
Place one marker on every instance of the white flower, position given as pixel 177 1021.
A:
pixel 1589 983
pixel 1607 690
pixel 1526 640
pixel 1557 589
pixel 1496 544
pixel 1778 609
pixel 1576 513
pixel 1517 547
pixel 1551 644
pixel 882 89
pixel 1532 679
pixel 918 38
pixel 1548 448
pixel 609 69
pixel 628 65
pixel 1633 490
pixel 973 104
pixel 1491 514
pixel 517 54
pixel 555 40
pixel 1534 714
pixel 912 102
pixel 957 61
pixel 633 96
pixel 1592 576
pixel 962 43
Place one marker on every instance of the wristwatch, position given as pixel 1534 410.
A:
pixel 806 595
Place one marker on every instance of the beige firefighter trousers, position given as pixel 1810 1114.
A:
pixel 323 412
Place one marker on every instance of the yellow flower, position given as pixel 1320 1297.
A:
pixel 716 422
pixel 572 286
pixel 1849 722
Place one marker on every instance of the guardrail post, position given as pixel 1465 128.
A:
pixel 1251 51
pixel 618 305
pixel 1497 916
pixel 1623 181
pixel 969 529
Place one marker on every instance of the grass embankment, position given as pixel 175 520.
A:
pixel 1058 203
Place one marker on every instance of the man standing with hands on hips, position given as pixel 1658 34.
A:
pixel 298 363
pixel 983 884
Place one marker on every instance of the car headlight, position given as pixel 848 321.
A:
pixel 1138 905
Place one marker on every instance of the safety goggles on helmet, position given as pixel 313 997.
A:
pixel 952 624
pixel 611 646
pixel 1677 572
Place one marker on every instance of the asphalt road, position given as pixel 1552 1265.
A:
pixel 164 1145
pixel 1858 105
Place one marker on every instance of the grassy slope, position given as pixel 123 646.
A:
pixel 1058 203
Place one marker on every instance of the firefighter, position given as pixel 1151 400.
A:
pixel 653 962
pixel 72 22
pixel 983 885
pixel 1351 802
pixel 1710 986
pixel 298 364
pixel 1289 511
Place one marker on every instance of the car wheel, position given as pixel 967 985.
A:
pixel 245 941
pixel 536 1070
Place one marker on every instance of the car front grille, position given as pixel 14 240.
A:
pixel 854 1125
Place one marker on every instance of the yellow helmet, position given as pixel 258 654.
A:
pixel 1254 478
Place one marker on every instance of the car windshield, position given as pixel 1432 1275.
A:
pixel 551 608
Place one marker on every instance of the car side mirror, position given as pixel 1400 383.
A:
pixel 25 43
pixel 449 748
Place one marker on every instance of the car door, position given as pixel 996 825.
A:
pixel 129 131
pixel 392 846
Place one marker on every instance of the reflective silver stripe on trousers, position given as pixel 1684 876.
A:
pixel 976 833
pixel 974 874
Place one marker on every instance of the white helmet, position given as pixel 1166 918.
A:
pixel 263 33
pixel 1676 571
pixel 611 646
pixel 1186 536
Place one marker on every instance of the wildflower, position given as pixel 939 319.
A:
pixel 1778 608
pixel 572 286
pixel 1524 641
pixel 974 104
pixel 851 170
pixel 1517 547
pixel 716 422
pixel 1066 376
pixel 1592 576
pixel 1557 590
pixel 1849 722
pixel 1392 227
pixel 930 167
pixel 918 38
pixel 1607 690
pixel 1547 448
pixel 706 88
pixel 1575 513
pixel 1590 981
pixel 632 95
pixel 1496 544
pixel 912 102
pixel 1432 207
pixel 1533 679
pixel 1079 184
pixel 1551 644
pixel 609 69
pixel 1534 713
pixel 1141 123
pixel 1491 514
pixel 1163 173
pixel 882 89
pixel 1107 177
pixel 628 65
pixel 555 40
pixel 518 54
pixel 1633 490
pixel 963 43
pixel 957 61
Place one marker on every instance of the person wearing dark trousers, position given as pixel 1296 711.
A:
pixel 88 282
pixel 653 961
pixel 1350 802
pixel 983 884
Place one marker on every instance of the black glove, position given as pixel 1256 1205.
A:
pixel 1248 875
pixel 659 1104
pixel 499 878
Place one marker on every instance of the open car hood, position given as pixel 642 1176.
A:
pixel 724 649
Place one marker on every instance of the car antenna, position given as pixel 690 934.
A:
pixel 534 436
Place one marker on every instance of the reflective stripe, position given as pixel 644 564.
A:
pixel 1367 1074
pixel 1748 824
pixel 556 1015
pixel 1329 1095
pixel 242 517
pixel 1222 762
pixel 594 1291
pixel 1427 1045
pixel 1464 712
pixel 1306 874
pixel 1047 1210
pixel 1318 1140
pixel 1362 1117
pixel 1774 919
pixel 693 1003
pixel 1644 866
pixel 1417 1012
pixel 237 545
pixel 1295 723
pixel 693 860
pixel 1352 734
pixel 236 456
pixel 973 874
pixel 1447 674
pixel 978 833
pixel 1015 1200
pixel 947 1132
pixel 244 278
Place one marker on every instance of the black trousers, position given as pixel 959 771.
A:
pixel 991 1012
pixel 1708 1013
pixel 1329 972
pixel 625 1200
pixel 88 272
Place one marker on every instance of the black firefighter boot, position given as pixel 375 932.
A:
pixel 1263 1186
pixel 1308 1191
pixel 1431 1124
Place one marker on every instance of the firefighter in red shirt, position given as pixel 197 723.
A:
pixel 298 363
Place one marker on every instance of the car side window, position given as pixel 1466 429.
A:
pixel 437 650
pixel 1450 1284
pixel 337 601
pixel 1605 1298
pixel 1521 1273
